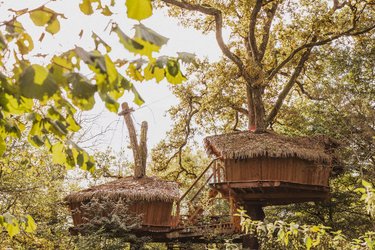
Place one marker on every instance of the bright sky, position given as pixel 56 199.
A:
pixel 158 97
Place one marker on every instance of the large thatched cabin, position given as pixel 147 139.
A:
pixel 271 169
pixel 148 197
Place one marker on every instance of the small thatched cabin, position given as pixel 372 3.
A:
pixel 271 169
pixel 148 197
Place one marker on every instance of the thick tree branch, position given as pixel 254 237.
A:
pixel 240 110
pixel 252 38
pixel 266 30
pixel 219 26
pixel 288 86
pixel 348 32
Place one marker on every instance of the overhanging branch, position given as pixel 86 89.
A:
pixel 217 14
pixel 283 94
pixel 310 45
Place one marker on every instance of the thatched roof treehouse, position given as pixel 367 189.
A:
pixel 149 198
pixel 271 169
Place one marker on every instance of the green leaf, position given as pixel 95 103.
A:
pixel 86 7
pixel 36 82
pixel 129 44
pixel 73 125
pixel 58 154
pixel 25 43
pixel 30 224
pixel 36 141
pixel 3 43
pixel 137 98
pixel 11 225
pixel 134 73
pixel 99 41
pixel 40 74
pixel 3 146
pixel 366 184
pixel 110 102
pixel 111 70
pixel 139 9
pixel 308 243
pixel 62 62
pixel 173 73
pixel 41 16
pixel 81 91
pixel 152 70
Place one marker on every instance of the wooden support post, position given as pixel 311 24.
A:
pixel 250 242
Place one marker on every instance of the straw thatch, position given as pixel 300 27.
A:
pixel 135 189
pixel 245 144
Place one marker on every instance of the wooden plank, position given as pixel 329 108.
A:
pixel 287 196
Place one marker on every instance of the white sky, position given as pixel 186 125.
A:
pixel 158 98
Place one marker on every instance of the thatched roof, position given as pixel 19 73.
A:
pixel 142 189
pixel 245 144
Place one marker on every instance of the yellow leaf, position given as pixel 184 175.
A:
pixel 53 26
pixel 31 226
pixel 139 9
pixel 41 17
pixel 40 74
pixel 86 7
pixel 159 74
pixel 58 154
pixel 134 73
pixel 106 11
pixel 25 43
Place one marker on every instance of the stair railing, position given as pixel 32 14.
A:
pixel 192 185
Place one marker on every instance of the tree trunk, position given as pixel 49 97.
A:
pixel 143 147
pixel 256 213
pixel 259 110
pixel 250 108
pixel 126 112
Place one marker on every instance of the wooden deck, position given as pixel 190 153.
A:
pixel 203 233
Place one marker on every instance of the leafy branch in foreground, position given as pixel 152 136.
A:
pixel 285 235
pixel 39 101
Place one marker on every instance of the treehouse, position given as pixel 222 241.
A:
pixel 148 197
pixel 271 169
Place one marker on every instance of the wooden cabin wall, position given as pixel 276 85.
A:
pixel 75 209
pixel 154 213
pixel 277 169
